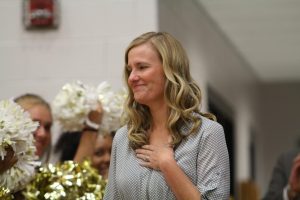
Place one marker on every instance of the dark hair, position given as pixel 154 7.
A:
pixel 67 145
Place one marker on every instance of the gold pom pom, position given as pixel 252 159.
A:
pixel 66 181
pixel 5 194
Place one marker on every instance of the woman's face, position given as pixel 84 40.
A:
pixel 42 135
pixel 146 78
pixel 101 155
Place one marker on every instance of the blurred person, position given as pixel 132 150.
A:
pixel 89 135
pixel 168 148
pixel 285 180
pixel 79 145
pixel 83 111
pixel 66 145
pixel 102 152
pixel 39 111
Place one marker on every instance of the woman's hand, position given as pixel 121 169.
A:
pixel 155 157
pixel 95 116
pixel 9 160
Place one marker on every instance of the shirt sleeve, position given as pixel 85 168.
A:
pixel 213 164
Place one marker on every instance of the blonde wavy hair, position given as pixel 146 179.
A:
pixel 182 94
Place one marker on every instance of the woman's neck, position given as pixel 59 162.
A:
pixel 159 133
pixel 159 116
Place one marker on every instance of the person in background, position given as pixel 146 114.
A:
pixel 102 152
pixel 39 111
pixel 66 145
pixel 79 145
pixel 101 144
pixel 285 180
pixel 168 148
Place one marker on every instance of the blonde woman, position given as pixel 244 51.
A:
pixel 168 149
pixel 39 111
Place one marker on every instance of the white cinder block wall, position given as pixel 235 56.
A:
pixel 89 45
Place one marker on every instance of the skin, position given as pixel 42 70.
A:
pixel 147 80
pixel 88 137
pixel 9 160
pixel 42 135
pixel 294 179
pixel 101 156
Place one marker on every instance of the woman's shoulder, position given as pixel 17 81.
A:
pixel 121 133
pixel 210 126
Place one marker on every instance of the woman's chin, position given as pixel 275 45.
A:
pixel 140 100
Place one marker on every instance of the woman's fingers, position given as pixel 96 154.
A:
pixel 143 157
pixel 9 160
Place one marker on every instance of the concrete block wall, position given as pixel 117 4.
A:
pixel 88 45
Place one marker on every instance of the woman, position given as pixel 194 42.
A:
pixel 168 150
pixel 102 153
pixel 39 111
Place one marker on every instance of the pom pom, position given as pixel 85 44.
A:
pixel 16 133
pixel 72 105
pixel 66 181
pixel 5 194
pixel 112 103
pixel 74 102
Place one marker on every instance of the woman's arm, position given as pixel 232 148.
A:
pixel 86 145
pixel 179 183
pixel 89 135
pixel 213 168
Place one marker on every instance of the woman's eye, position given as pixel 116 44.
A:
pixel 99 153
pixel 142 67
pixel 48 128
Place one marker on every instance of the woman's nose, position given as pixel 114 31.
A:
pixel 133 76
pixel 41 132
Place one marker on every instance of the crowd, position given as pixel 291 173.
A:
pixel 81 140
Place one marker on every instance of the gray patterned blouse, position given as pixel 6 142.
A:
pixel 202 156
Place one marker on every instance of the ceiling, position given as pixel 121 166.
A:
pixel 265 33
